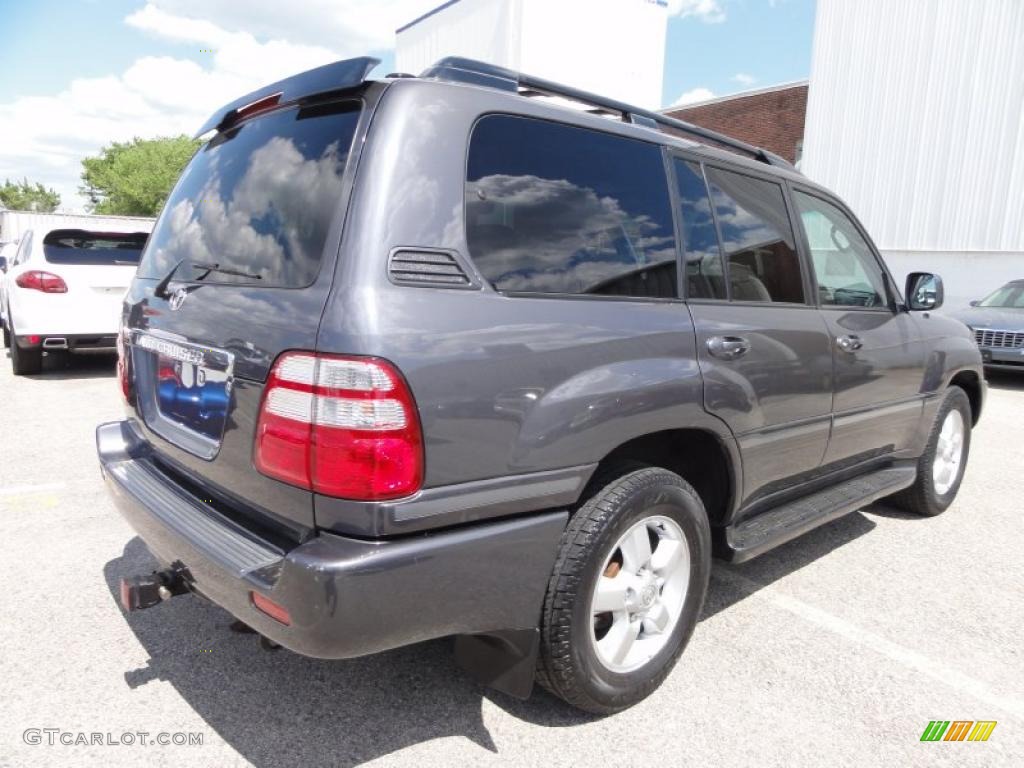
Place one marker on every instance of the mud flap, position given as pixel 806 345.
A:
pixel 503 660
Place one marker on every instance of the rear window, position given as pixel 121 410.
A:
pixel 258 199
pixel 552 208
pixel 77 246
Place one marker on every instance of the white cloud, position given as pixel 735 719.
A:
pixel 708 11
pixel 744 79
pixel 693 96
pixel 45 137
pixel 349 27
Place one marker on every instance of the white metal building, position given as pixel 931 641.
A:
pixel 612 47
pixel 915 116
pixel 13 224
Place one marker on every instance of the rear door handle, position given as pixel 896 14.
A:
pixel 728 347
pixel 849 343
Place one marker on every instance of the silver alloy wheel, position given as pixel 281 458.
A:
pixel 949 452
pixel 640 592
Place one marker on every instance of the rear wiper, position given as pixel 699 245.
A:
pixel 161 292
pixel 223 271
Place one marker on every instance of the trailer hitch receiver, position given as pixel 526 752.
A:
pixel 138 592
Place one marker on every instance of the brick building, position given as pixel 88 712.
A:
pixel 772 118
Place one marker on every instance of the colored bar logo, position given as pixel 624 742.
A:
pixel 958 730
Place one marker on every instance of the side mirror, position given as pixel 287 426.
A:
pixel 924 291
pixel 975 302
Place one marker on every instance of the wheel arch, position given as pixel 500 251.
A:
pixel 700 456
pixel 973 385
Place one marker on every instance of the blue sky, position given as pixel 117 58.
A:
pixel 768 42
pixel 81 73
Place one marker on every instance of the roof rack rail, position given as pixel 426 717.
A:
pixel 462 70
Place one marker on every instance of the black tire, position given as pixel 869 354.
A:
pixel 568 665
pixel 25 362
pixel 922 498
pixel 7 337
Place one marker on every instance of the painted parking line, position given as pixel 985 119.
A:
pixel 29 490
pixel 907 657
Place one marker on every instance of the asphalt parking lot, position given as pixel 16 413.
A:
pixel 837 649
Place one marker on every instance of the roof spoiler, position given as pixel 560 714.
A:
pixel 462 70
pixel 336 76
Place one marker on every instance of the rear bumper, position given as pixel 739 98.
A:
pixel 69 342
pixel 49 314
pixel 346 597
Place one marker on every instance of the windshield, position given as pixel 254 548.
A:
pixel 77 246
pixel 258 200
pixel 1010 296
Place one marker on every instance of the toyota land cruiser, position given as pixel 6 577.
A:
pixel 476 354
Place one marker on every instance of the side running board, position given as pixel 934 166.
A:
pixel 777 526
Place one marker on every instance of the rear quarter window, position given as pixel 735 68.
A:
pixel 258 199
pixel 553 208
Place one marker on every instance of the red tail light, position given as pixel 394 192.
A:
pixel 340 426
pixel 37 280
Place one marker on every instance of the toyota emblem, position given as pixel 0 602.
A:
pixel 178 298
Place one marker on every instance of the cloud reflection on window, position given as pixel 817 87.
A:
pixel 259 199
pixel 535 234
pixel 554 208
pixel 280 208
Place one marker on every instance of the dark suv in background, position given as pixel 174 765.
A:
pixel 437 356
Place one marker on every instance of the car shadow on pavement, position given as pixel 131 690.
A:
pixel 731 583
pixel 61 366
pixel 1008 380
pixel 279 708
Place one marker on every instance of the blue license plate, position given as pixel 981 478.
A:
pixel 193 395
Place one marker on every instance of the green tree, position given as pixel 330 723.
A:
pixel 22 196
pixel 134 178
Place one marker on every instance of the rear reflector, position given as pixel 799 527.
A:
pixel 124 364
pixel 37 280
pixel 272 609
pixel 340 426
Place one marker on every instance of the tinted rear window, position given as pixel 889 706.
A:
pixel 76 246
pixel 258 199
pixel 553 208
pixel 757 238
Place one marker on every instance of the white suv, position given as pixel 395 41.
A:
pixel 64 292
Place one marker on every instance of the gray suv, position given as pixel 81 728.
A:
pixel 475 354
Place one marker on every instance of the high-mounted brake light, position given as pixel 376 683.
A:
pixel 37 280
pixel 259 106
pixel 340 426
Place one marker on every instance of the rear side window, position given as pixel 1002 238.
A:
pixel 77 246
pixel 705 278
pixel 258 200
pixel 553 208
pixel 757 238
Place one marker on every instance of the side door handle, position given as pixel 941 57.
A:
pixel 728 347
pixel 849 343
